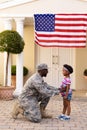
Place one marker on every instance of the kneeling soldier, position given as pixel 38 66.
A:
pixel 35 96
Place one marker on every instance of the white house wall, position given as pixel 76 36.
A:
pixel 51 6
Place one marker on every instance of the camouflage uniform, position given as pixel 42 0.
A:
pixel 36 93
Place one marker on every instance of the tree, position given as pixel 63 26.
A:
pixel 10 42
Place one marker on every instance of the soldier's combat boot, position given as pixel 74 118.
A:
pixel 17 110
pixel 44 114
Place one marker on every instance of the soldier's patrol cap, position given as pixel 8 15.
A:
pixel 42 66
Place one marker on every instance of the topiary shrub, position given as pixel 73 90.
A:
pixel 10 42
pixel 13 70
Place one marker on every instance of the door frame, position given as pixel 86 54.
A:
pixel 72 61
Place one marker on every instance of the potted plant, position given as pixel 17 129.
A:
pixel 13 74
pixel 10 42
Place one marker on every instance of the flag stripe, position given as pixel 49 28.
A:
pixel 61 45
pixel 70 28
pixel 67 30
pixel 70 19
pixel 70 24
pixel 59 38
pixel 62 40
pixel 71 16
pixel 59 35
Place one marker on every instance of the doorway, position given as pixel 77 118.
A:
pixel 55 58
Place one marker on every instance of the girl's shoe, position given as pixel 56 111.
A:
pixel 66 118
pixel 58 117
pixel 61 117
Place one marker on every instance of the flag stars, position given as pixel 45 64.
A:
pixel 45 22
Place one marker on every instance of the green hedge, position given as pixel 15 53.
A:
pixel 13 70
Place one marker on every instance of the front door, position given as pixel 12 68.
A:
pixel 54 58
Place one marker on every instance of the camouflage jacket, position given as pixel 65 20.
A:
pixel 36 86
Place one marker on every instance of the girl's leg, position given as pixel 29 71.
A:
pixel 68 108
pixel 64 106
pixel 62 116
pixel 67 117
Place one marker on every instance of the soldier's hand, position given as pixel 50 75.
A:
pixel 56 92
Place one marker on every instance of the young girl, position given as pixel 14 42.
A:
pixel 66 92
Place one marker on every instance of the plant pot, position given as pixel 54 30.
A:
pixel 25 79
pixel 6 92
pixel 13 80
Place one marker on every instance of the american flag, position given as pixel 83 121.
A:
pixel 60 30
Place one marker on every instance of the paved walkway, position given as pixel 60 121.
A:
pixel 78 116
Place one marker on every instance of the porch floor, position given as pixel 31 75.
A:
pixel 78 119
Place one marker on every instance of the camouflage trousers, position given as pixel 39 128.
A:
pixel 31 106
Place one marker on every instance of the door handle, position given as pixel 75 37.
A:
pixel 55 60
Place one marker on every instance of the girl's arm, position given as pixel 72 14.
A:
pixel 67 90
